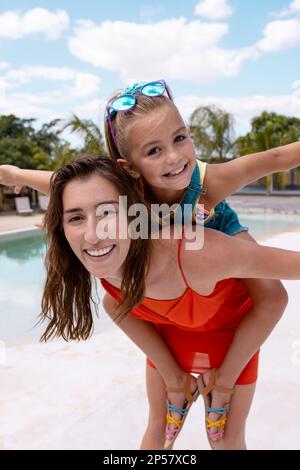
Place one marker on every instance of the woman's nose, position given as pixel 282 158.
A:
pixel 90 234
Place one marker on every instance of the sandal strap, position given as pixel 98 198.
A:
pixel 219 411
pixel 211 424
pixel 172 420
pixel 181 411
pixel 212 386
pixel 215 435
pixel 186 389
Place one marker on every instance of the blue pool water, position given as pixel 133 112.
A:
pixel 22 277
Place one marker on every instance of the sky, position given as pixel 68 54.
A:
pixel 68 56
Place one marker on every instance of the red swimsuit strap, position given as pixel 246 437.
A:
pixel 179 262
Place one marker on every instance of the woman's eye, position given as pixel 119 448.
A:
pixel 75 219
pixel 153 151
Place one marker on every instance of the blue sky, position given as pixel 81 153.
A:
pixel 60 57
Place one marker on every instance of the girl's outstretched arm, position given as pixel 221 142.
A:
pixel 223 179
pixel 231 257
pixel 11 175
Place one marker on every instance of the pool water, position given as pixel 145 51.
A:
pixel 22 278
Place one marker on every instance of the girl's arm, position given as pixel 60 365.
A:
pixel 231 257
pixel 36 179
pixel 147 338
pixel 223 179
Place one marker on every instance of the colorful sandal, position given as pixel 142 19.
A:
pixel 222 411
pixel 190 398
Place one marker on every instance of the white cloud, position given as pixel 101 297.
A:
pixel 190 50
pixel 243 108
pixel 85 84
pixel 214 9
pixel 294 7
pixel 15 25
pixel 280 34
pixel 4 65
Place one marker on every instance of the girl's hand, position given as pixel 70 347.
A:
pixel 10 176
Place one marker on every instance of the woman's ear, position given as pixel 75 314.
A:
pixel 126 166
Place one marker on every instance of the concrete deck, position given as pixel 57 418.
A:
pixel 10 222
pixel 265 204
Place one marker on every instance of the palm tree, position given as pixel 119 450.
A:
pixel 212 130
pixel 92 136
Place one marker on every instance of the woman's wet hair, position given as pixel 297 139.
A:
pixel 67 299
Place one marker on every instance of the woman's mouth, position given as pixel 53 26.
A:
pixel 176 173
pixel 99 253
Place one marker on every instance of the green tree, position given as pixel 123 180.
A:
pixel 213 134
pixel 269 130
pixel 91 133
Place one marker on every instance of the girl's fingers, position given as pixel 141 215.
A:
pixel 17 189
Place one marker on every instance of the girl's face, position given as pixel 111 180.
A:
pixel 86 203
pixel 161 150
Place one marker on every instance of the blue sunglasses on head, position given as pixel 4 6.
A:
pixel 127 101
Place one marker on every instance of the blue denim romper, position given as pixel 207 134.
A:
pixel 222 217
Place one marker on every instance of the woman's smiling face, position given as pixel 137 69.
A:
pixel 88 202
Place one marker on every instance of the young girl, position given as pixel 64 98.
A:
pixel 151 141
pixel 137 271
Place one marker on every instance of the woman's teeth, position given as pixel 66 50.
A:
pixel 97 253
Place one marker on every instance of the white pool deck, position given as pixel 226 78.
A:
pixel 91 395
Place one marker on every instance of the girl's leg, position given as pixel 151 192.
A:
pixel 154 436
pixel 240 403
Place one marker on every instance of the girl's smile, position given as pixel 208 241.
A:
pixel 161 151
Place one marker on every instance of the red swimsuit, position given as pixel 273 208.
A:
pixel 198 329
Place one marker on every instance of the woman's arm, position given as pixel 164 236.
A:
pixel 223 179
pixel 147 338
pixel 36 179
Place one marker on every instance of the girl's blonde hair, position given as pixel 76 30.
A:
pixel 121 120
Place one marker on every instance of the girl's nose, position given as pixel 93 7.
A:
pixel 172 156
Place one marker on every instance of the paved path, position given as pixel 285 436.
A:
pixel 11 222
pixel 265 204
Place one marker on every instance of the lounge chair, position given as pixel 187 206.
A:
pixel 23 205
pixel 43 202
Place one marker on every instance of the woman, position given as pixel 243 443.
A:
pixel 138 272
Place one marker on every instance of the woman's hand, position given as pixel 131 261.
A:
pixel 10 176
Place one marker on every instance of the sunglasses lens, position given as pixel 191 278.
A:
pixel 123 103
pixel 153 89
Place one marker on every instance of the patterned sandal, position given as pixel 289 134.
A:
pixel 190 398
pixel 222 411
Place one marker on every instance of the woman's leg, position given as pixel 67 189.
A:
pixel 154 436
pixel 240 404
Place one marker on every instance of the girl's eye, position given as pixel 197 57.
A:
pixel 180 138
pixel 153 151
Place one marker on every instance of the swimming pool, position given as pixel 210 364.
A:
pixel 22 277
